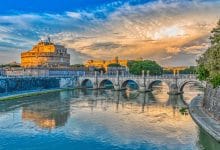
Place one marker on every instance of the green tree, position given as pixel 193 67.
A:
pixel 136 67
pixel 203 73
pixel 190 70
pixel 114 65
pixel 209 63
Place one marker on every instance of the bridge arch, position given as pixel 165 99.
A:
pixel 86 83
pixel 182 84
pixel 150 85
pixel 131 82
pixel 106 83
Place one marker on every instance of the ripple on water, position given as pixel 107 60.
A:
pixel 71 120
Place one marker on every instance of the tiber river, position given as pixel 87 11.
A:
pixel 102 120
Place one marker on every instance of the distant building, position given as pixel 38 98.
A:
pixel 46 54
pixel 121 70
pixel 104 63
pixel 175 70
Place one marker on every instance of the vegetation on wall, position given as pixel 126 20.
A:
pixel 136 67
pixel 77 65
pixel 209 62
pixel 9 65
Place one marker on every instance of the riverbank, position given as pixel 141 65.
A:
pixel 13 96
pixel 206 122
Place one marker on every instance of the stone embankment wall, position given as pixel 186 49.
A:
pixel 212 101
pixel 16 84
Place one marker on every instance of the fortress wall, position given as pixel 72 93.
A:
pixel 212 101
pixel 16 84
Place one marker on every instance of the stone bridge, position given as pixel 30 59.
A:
pixel 175 83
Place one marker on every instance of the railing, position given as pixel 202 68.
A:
pixel 181 76
pixel 81 75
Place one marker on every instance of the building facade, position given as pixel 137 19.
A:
pixel 120 70
pixel 104 63
pixel 46 54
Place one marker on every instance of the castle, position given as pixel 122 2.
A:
pixel 46 54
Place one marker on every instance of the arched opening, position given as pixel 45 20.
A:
pixel 106 84
pixel 191 85
pixel 130 85
pixel 191 89
pixel 131 88
pixel 159 90
pixel 86 84
pixel 159 85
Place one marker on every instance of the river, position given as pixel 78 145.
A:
pixel 103 120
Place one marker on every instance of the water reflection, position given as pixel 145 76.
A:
pixel 129 120
pixel 107 119
pixel 48 114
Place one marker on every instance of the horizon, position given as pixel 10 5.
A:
pixel 170 32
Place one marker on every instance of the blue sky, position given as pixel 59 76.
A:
pixel 172 32
pixel 55 6
pixel 58 6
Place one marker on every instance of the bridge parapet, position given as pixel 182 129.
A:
pixel 141 77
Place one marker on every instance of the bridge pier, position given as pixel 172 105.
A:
pixel 174 93
pixel 174 90
pixel 96 83
pixel 144 89
pixel 118 88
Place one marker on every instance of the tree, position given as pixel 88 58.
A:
pixel 100 70
pixel 203 73
pixel 190 70
pixel 136 67
pixel 114 65
pixel 209 63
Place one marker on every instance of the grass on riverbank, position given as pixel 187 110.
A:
pixel 29 94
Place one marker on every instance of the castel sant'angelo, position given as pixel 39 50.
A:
pixel 46 54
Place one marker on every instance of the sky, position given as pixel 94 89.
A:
pixel 171 32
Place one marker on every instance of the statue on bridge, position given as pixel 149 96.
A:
pixel 144 82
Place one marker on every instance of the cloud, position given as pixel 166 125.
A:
pixel 104 46
pixel 173 50
pixel 73 15
pixel 160 30
pixel 77 57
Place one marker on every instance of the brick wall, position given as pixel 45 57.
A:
pixel 212 101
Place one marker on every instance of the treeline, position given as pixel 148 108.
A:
pixel 209 62
pixel 136 67
pixel 189 70
pixel 9 65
